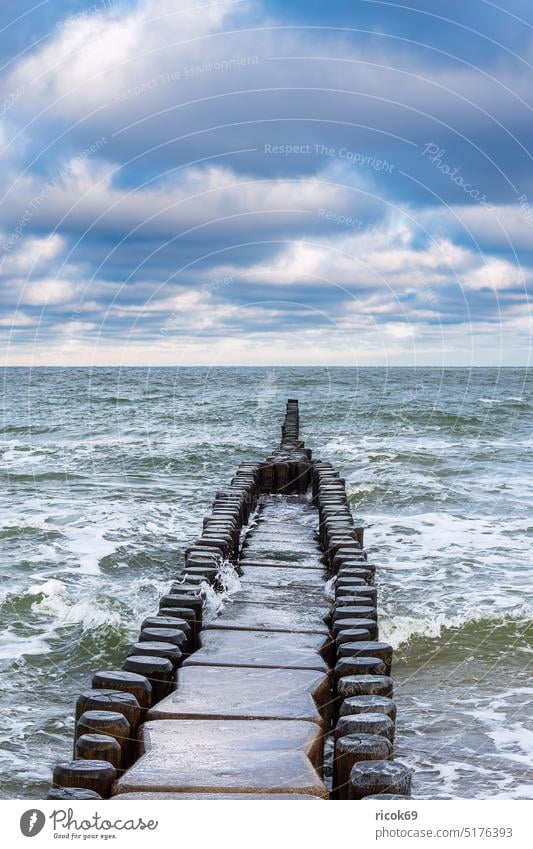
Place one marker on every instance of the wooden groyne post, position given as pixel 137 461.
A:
pixel 287 692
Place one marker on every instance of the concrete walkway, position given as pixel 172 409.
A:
pixel 287 692
pixel 252 704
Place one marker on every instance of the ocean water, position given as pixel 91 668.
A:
pixel 107 473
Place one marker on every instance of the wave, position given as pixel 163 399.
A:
pixel 413 633
pixel 38 477
pixel 40 533
pixel 432 416
pixel 91 612
pixel 513 401
pixel 14 646
pixel 111 399
pixel 53 598
pixel 29 429
pixel 357 490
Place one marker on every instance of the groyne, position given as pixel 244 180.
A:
pixel 286 693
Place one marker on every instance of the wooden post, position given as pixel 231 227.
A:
pixel 351 749
pixel 130 682
pixel 96 747
pixel 371 777
pixel 87 775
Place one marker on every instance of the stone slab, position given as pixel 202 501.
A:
pixel 282 577
pixel 267 521
pixel 272 563
pixel 292 595
pixel 270 617
pixel 263 649
pixel 210 692
pixel 275 543
pixel 248 797
pixel 267 551
pixel 288 537
pixel 226 757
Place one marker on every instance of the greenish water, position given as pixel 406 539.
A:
pixel 106 475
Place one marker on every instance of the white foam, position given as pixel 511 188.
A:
pixel 214 602
pixel 89 543
pixel 228 578
pixel 398 630
pixel 329 589
pixel 514 741
pixel 13 646
pixel 58 603
pixel 515 398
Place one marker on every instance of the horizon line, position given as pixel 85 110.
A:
pixel 270 365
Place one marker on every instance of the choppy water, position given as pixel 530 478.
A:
pixel 107 473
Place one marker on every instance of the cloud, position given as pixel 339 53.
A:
pixel 214 196
pixel 167 79
pixel 505 227
pixel 46 291
pixel 154 148
pixel 30 254
pixel 389 257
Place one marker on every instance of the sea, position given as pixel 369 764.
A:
pixel 108 472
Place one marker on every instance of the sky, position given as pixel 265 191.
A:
pixel 266 183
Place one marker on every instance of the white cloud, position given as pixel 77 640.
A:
pixel 478 343
pixel 504 227
pixel 92 58
pixel 167 63
pixel 47 291
pixel 399 331
pixel 139 78
pixel 496 273
pixel 385 259
pixel 31 254
pixel 17 319
pixel 216 195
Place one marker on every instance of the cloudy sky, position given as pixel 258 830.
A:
pixel 257 183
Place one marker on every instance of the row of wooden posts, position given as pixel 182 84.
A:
pixel 364 713
pixel 108 715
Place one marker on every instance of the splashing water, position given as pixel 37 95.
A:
pixel 108 473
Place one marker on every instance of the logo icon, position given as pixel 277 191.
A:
pixel 32 822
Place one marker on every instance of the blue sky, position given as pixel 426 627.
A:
pixel 254 183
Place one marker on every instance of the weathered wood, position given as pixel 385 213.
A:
pixel 74 794
pixel 87 775
pixel 351 749
pixel 365 723
pixel 240 708
pixel 371 777
pixel 158 671
pixel 131 682
pixel 99 747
